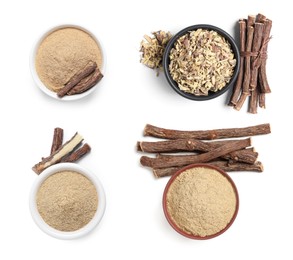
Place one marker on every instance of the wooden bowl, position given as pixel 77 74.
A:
pixel 175 226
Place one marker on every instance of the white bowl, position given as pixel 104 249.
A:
pixel 35 75
pixel 63 234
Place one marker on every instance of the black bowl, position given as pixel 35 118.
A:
pixel 166 61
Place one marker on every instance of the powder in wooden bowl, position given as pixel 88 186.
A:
pixel 201 202
pixel 63 53
pixel 67 200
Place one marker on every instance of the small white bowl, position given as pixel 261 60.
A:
pixel 35 75
pixel 63 234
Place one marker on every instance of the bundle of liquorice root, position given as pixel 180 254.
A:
pixel 70 151
pixel 188 147
pixel 252 79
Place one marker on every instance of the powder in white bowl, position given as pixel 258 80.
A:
pixel 67 200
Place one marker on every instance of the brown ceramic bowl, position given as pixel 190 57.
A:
pixel 175 226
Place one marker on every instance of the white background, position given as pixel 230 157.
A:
pixel 112 120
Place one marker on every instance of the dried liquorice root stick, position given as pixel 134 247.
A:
pixel 260 18
pixel 57 156
pixel 253 101
pixel 165 172
pixel 77 154
pixel 247 66
pixel 238 166
pixel 178 145
pixel 238 84
pixel 159 132
pixel 243 155
pixel 263 81
pixel 57 139
pixel 262 100
pixel 205 157
pixel 255 64
pixel 225 166
pixel 76 78
pixel 86 83
pixel 256 48
pixel 187 145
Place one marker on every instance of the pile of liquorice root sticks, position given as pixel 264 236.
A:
pixel 229 149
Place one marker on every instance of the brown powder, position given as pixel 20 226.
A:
pixel 67 200
pixel 63 53
pixel 201 201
